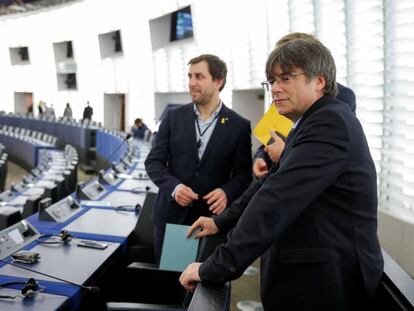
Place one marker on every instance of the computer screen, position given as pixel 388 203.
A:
pixel 181 24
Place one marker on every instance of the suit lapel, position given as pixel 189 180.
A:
pixel 319 103
pixel 219 131
pixel 189 123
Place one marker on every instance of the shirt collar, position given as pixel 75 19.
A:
pixel 296 123
pixel 216 112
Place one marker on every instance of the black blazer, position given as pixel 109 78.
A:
pixel 173 159
pixel 313 221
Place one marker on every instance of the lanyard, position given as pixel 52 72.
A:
pixel 201 133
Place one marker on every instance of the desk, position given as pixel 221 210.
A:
pixel 103 222
pixel 139 184
pixel 76 264
pixel 100 222
pixel 124 198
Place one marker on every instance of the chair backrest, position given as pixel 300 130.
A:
pixel 143 232
pixel 209 297
pixel 209 244
pixel 396 291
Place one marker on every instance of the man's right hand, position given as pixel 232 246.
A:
pixel 260 168
pixel 207 226
pixel 185 195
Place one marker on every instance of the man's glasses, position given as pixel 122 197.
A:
pixel 282 80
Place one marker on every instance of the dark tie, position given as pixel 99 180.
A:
pixel 290 136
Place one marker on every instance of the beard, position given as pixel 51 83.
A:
pixel 201 100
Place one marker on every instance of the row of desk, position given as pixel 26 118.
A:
pixel 23 149
pixel 71 132
pixel 84 136
pixel 109 217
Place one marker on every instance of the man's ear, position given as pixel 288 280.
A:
pixel 320 83
pixel 219 83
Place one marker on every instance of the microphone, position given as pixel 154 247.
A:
pixel 91 289
pixel 80 186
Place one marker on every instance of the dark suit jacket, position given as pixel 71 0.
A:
pixel 173 159
pixel 313 220
pixel 87 112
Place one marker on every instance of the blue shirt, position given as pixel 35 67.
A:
pixel 204 128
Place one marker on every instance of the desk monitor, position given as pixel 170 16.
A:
pixel 91 191
pixel 120 168
pixel 109 178
pixel 16 237
pixel 60 211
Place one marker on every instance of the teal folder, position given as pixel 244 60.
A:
pixel 178 251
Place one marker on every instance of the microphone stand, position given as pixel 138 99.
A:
pixel 92 289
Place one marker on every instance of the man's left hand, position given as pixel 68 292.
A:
pixel 275 149
pixel 217 200
pixel 190 276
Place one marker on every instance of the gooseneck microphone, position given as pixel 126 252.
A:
pixel 91 289
pixel 100 167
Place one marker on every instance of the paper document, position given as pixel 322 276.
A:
pixel 178 251
pixel 94 203
pixel 271 121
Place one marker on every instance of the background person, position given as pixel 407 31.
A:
pixel 139 129
pixel 201 158
pixel 68 111
pixel 87 112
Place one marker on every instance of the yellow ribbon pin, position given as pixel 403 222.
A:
pixel 224 120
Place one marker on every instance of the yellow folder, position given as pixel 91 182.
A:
pixel 271 121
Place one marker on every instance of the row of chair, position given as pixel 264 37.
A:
pixel 28 135
pixel 52 118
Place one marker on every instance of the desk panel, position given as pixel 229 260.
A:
pixel 69 262
pixel 40 301
pixel 118 198
pixel 139 184
pixel 104 222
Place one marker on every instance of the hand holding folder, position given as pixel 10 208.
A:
pixel 271 121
